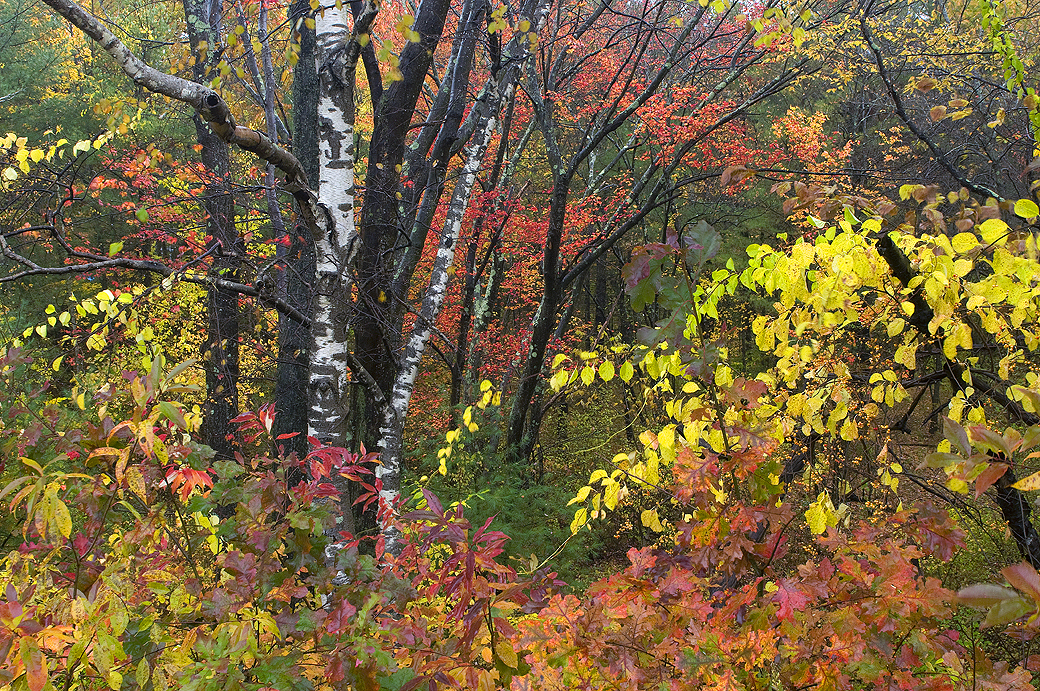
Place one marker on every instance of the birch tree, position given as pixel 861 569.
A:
pixel 433 125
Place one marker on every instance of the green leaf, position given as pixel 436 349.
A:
pixel 984 595
pixel 142 215
pixel 173 413
pixel 1008 611
pixel 143 672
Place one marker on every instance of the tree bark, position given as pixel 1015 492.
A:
pixel 294 340
pixel 220 348
pixel 396 409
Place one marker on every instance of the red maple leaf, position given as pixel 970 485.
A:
pixel 789 598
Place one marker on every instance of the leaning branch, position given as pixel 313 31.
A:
pixel 207 102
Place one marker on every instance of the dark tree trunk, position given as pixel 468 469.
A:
pixel 220 349
pixel 519 438
pixel 294 339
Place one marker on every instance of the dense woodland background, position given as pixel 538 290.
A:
pixel 551 344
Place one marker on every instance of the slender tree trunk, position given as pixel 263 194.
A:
pixel 396 409
pixel 294 339
pixel 518 440
pixel 220 349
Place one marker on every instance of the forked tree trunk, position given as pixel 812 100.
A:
pixel 396 409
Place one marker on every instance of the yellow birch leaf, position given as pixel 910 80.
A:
pixel 506 653
pixel 816 516
pixel 582 495
pixel 581 517
pixel 650 520
pixel 611 495
pixel 1028 484
pixel 1026 208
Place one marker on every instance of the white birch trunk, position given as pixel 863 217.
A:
pixel 395 410
pixel 328 378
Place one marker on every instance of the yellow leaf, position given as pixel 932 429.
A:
pixel 962 242
pixel 506 654
pixel 992 230
pixel 626 372
pixel 1026 208
pixel 611 495
pixel 581 517
pixel 588 375
pixel 62 518
pixel 1029 483
pixel 582 495
pixel 135 481
pixel 816 515
pixel 650 520
pixel 606 370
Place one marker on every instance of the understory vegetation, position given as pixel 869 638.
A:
pixel 539 345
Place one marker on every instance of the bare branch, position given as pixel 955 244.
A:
pixel 33 269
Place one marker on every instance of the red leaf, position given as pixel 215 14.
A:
pixel 1024 578
pixel 789 598
pixel 988 476
pixel 641 561
pixel 339 619
pixel 433 502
